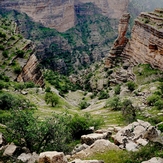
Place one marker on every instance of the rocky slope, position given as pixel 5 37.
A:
pixel 61 14
pixel 18 60
pixel 146 43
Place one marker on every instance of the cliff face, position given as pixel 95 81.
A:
pixel 31 72
pixel 120 42
pixel 17 55
pixel 61 14
pixel 146 43
pixel 51 13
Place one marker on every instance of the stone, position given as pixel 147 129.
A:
pixel 86 161
pixel 52 157
pixel 28 157
pixel 99 146
pixel 154 160
pixel 79 148
pixel 136 134
pixel 2 140
pixel 10 150
pixel 91 138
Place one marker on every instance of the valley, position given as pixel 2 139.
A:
pixel 71 68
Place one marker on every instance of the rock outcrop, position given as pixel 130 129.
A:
pixel 121 40
pixel 61 14
pixel 137 134
pixel 154 160
pixel 31 72
pixel 52 157
pixel 146 43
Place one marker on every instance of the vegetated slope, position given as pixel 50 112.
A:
pixel 87 42
pixel 18 60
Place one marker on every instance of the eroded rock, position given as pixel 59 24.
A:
pixel 52 157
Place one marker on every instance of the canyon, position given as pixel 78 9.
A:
pixel 61 15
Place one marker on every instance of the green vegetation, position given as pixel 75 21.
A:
pixel 131 85
pixel 51 98
pixel 83 104
pixel 121 156
pixel 114 103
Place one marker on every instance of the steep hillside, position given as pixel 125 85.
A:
pixel 146 43
pixel 87 42
pixel 18 60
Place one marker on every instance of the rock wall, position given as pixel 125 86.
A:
pixel 61 14
pixel 146 43
pixel 31 72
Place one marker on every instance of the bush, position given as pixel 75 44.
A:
pixel 20 53
pixel 152 99
pixel 17 69
pixel 50 134
pixel 83 105
pixel 29 84
pixel 128 111
pixel 159 104
pixel 9 101
pixel 2 47
pixel 80 125
pixel 117 89
pixel 51 98
pixel 48 89
pixel 103 95
pixel 114 103
pixel 131 85
pixel 5 53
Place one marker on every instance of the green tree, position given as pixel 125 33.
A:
pixel 128 111
pixel 114 103
pixel 51 98
pixel 50 134
pixel 83 104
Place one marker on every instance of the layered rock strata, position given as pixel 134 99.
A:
pixel 121 40
pixel 61 14
pixel 146 43
pixel 31 72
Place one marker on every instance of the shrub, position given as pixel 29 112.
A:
pixel 29 84
pixel 17 69
pixel 128 111
pixel 159 104
pixel 83 104
pixel 51 98
pixel 103 95
pixel 152 99
pixel 114 103
pixel 2 47
pixel 20 53
pixel 5 53
pixel 117 89
pixel 160 127
pixel 80 124
pixel 131 85
pixel 50 134
pixel 48 89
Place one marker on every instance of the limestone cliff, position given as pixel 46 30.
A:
pixel 61 14
pixel 31 72
pixel 17 55
pixel 146 43
pixel 121 40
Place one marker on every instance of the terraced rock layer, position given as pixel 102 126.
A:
pixel 146 43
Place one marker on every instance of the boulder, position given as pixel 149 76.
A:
pixel 136 134
pixel 29 158
pixel 99 146
pixel 86 161
pixel 154 160
pixel 52 157
pixel 10 150
pixel 79 148
pixel 2 140
pixel 91 138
